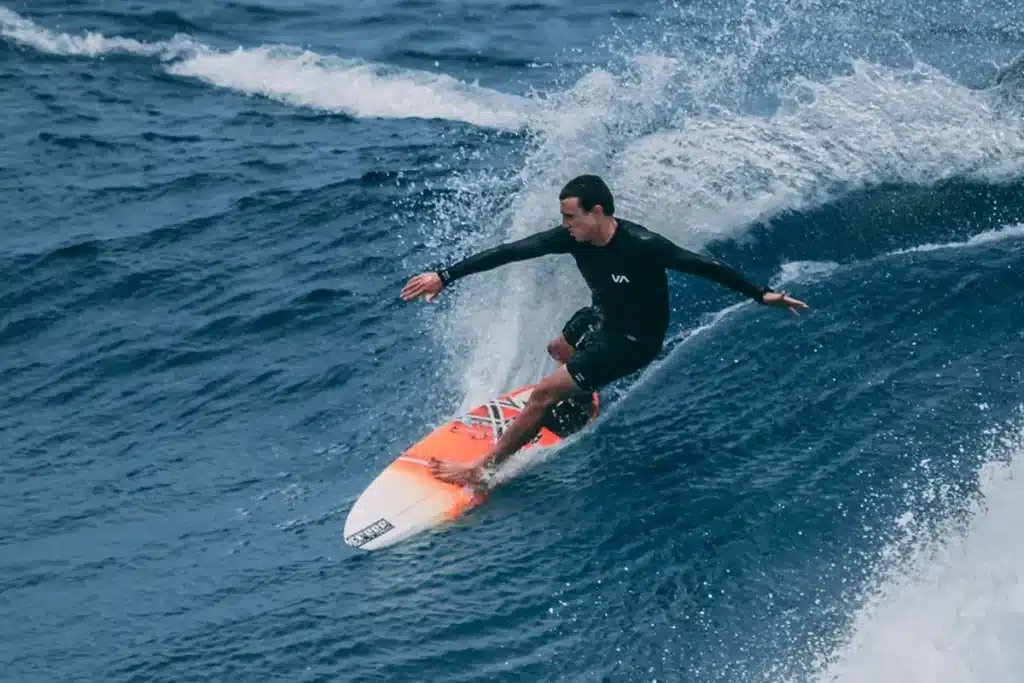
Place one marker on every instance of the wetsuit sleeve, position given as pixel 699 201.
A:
pixel 554 241
pixel 674 257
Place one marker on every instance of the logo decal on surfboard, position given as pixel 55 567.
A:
pixel 367 534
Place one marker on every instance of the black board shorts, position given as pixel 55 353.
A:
pixel 603 355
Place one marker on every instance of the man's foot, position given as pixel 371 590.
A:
pixel 457 473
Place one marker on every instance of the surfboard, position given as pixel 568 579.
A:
pixel 406 499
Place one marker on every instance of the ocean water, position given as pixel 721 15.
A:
pixel 207 211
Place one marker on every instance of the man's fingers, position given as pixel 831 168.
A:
pixel 786 300
pixel 782 299
pixel 413 289
pixel 418 286
pixel 794 304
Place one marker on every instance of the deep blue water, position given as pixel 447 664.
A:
pixel 208 210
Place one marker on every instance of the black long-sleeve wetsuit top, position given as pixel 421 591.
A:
pixel 626 276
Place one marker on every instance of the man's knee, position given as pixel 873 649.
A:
pixel 560 350
pixel 544 397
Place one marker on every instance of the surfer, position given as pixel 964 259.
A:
pixel 624 265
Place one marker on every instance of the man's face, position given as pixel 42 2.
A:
pixel 580 224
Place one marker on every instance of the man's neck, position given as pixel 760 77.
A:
pixel 606 231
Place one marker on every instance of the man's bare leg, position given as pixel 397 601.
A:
pixel 552 389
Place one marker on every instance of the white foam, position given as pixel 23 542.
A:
pixel 804 271
pixel 297 77
pixel 307 79
pixel 26 32
pixel 954 612
pixel 878 125
pixel 982 238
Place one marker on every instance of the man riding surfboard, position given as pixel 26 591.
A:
pixel 624 264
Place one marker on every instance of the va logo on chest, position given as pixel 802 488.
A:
pixel 619 279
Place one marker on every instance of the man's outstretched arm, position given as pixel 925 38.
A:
pixel 554 241
pixel 676 258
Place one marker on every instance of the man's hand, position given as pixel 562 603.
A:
pixel 428 284
pixel 782 300
pixel 457 473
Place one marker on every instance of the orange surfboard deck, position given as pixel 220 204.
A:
pixel 406 498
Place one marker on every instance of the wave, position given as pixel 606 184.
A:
pixel 25 32
pixel 876 126
pixel 950 612
pixel 306 79
pixel 701 179
pixel 982 238
pixel 296 76
pixel 696 175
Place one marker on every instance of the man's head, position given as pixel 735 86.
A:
pixel 587 208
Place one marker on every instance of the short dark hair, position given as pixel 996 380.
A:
pixel 590 190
